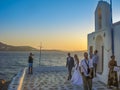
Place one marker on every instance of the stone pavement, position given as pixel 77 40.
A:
pixel 54 78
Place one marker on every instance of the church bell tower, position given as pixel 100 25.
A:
pixel 103 16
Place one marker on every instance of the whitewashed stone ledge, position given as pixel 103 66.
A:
pixel 16 83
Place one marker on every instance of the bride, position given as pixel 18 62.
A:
pixel 76 78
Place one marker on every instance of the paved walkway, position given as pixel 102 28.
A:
pixel 54 78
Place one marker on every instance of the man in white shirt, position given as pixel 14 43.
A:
pixel 85 67
pixel 95 61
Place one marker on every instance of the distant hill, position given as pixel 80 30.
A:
pixel 5 47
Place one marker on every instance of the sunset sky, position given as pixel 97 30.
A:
pixel 58 24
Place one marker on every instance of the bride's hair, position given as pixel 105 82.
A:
pixel 76 58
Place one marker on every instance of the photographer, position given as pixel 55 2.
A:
pixel 30 62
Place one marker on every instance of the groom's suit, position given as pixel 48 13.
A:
pixel 70 65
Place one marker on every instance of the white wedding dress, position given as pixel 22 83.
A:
pixel 76 77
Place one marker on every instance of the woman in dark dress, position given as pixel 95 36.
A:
pixel 112 76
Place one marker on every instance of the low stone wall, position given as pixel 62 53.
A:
pixel 16 83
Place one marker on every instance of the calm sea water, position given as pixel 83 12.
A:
pixel 12 62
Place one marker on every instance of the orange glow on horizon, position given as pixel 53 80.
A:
pixel 53 45
pixel 71 40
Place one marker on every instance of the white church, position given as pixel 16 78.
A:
pixel 105 39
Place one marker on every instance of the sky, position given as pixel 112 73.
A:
pixel 58 24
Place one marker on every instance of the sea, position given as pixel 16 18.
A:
pixel 12 61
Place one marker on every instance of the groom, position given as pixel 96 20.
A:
pixel 69 65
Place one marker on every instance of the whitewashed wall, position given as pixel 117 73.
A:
pixel 104 7
pixel 117 42
pixel 106 35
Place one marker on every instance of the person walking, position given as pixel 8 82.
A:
pixel 76 77
pixel 86 66
pixel 69 65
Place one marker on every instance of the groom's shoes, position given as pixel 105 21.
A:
pixel 68 78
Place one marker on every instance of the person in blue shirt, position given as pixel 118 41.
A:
pixel 95 61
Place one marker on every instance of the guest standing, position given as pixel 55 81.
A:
pixel 95 61
pixel 69 65
pixel 112 76
pixel 91 63
pixel 85 70
pixel 30 62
